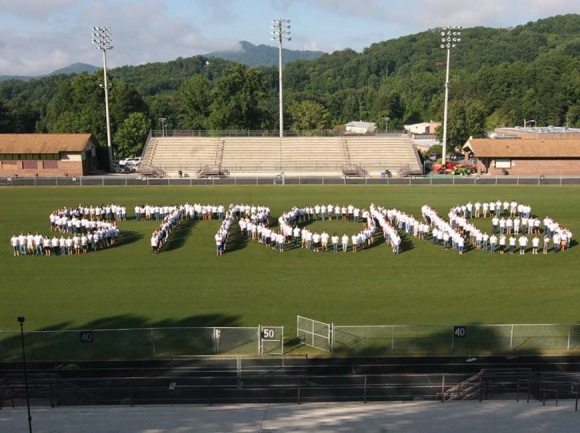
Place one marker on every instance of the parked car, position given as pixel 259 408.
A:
pixel 456 157
pixel 434 157
pixel 130 161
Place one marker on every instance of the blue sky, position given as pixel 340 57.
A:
pixel 39 36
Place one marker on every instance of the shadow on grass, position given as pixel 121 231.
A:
pixel 236 241
pixel 446 340
pixel 180 235
pixel 131 337
pixel 406 242
pixel 128 237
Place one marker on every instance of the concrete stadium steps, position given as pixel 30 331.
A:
pixel 271 155
pixel 378 153
pixel 242 154
pixel 186 154
pixel 313 154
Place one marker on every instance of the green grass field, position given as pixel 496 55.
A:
pixel 187 285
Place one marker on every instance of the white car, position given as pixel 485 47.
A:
pixel 130 161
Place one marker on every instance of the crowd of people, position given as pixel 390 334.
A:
pixel 514 227
pixel 172 216
pixel 74 231
pixel 292 229
pixel 83 229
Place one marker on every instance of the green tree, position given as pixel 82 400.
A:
pixel 193 100
pixel 131 135
pixel 5 119
pixel 466 119
pixel 79 106
pixel 309 116
pixel 238 100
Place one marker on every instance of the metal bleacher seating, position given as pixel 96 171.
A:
pixel 266 156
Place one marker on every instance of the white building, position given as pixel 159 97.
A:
pixel 423 128
pixel 361 127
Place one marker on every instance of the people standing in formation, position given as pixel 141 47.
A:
pixel 172 217
pixel 193 211
pixel 89 228
pixel 289 230
pixel 515 225
pixel 76 230
pixel 254 225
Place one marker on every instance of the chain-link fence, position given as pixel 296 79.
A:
pixel 141 343
pixel 456 339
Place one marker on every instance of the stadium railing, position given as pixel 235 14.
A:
pixel 285 179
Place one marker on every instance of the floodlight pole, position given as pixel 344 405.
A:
pixel 163 121
pixel 280 33
pixel 21 320
pixel 103 40
pixel 450 37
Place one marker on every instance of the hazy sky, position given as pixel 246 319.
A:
pixel 39 36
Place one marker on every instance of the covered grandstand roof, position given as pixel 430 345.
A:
pixel 43 143
pixel 510 148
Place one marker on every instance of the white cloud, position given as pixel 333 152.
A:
pixel 310 46
pixel 35 8
pixel 38 36
pixel 142 31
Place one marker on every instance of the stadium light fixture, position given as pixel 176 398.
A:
pixel 102 38
pixel 281 32
pixel 450 38
pixel 163 122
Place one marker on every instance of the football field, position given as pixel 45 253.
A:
pixel 187 285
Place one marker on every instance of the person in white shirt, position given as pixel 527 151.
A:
pixel 512 243
pixel 354 239
pixel 334 240
pixel 492 243
pixel 546 245
pixel 535 244
pixel 485 240
pixel 344 243
pixel 47 246
pixel 460 244
pixel 296 235
pixel 502 244
pixel 324 241
pixel 308 238
pixel 22 244
pixel 15 245
pixel 523 243
pixel 154 243
pixel 396 240
pixel 316 241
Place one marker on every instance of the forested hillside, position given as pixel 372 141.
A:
pixel 263 55
pixel 498 77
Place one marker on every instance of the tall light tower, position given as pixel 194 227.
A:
pixel 450 37
pixel 163 122
pixel 280 33
pixel 103 40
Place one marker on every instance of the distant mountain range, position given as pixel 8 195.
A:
pixel 263 55
pixel 249 54
pixel 75 68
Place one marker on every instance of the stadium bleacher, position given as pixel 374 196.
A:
pixel 267 156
